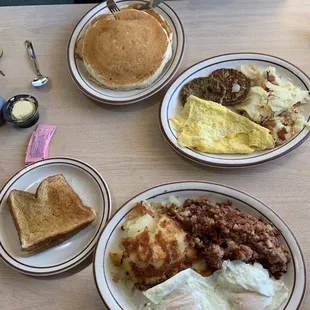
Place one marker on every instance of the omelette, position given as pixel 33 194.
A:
pixel 209 127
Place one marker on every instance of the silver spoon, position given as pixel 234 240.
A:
pixel 40 79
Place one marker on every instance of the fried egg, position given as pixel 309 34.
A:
pixel 209 127
pixel 238 286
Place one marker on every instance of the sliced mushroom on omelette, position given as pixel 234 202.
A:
pixel 209 127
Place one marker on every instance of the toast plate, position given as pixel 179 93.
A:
pixel 80 75
pixel 116 295
pixel 93 191
pixel 171 106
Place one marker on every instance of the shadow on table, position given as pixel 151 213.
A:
pixel 265 168
pixel 84 264
pixel 147 103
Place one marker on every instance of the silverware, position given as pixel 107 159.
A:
pixel 40 79
pixel 1 54
pixel 150 5
pixel 112 6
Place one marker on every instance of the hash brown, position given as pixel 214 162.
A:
pixel 155 252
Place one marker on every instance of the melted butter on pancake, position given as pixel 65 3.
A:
pixel 126 52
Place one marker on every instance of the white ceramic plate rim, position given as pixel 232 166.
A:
pixel 143 94
pixel 50 270
pixel 300 277
pixel 212 159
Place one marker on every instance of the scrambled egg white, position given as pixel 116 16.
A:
pixel 274 102
pixel 269 98
pixel 238 286
pixel 210 127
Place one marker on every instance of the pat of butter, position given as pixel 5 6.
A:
pixel 23 109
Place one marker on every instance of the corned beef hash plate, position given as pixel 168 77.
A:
pixel 198 245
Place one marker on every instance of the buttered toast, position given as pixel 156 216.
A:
pixel 49 217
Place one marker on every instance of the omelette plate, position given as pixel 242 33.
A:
pixel 171 106
pixel 116 295
pixel 81 77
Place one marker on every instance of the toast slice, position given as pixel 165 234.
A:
pixel 49 217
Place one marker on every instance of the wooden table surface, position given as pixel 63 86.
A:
pixel 124 143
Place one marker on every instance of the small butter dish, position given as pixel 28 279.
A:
pixel 21 110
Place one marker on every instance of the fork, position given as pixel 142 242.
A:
pixel 150 5
pixel 112 6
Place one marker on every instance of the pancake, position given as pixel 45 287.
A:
pixel 126 52
pixel 153 13
pixel 79 43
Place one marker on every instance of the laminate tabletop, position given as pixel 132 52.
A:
pixel 124 143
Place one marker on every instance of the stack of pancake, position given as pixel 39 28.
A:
pixel 128 50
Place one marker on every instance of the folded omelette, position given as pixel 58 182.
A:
pixel 209 127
